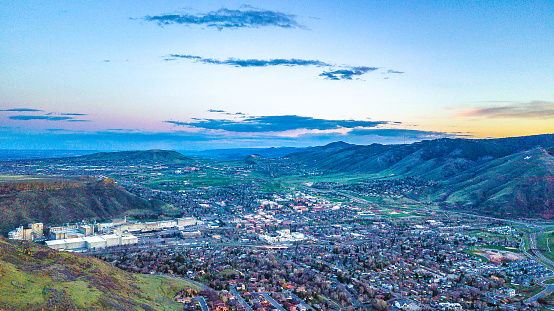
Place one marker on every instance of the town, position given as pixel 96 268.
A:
pixel 256 242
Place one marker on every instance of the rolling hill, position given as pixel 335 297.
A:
pixel 240 153
pixel 34 277
pixel 147 156
pixel 56 201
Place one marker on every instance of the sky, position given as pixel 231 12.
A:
pixel 195 75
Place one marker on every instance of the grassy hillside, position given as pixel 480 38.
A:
pixel 434 159
pixel 33 277
pixel 519 185
pixel 57 201
pixel 508 177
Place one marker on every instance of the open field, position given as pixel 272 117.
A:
pixel 491 235
pixel 547 249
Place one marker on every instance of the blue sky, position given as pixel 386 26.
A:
pixel 215 74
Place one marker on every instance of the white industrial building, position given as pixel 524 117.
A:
pixel 92 242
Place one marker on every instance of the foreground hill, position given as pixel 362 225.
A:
pixel 147 156
pixel 34 277
pixel 57 201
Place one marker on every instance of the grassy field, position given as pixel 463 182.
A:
pixel 489 235
pixel 33 277
pixel 546 249
pixel 500 248
pixel 475 251
pixel 527 291
pixel 344 178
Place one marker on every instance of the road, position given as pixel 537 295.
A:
pixel 240 299
pixel 273 302
pixel 302 302
pixel 202 303
pixel 536 254
pixel 548 289
pixel 344 288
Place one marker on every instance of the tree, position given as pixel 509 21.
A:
pixel 380 304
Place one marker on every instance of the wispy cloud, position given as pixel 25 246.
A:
pixel 73 114
pixel 334 72
pixel 395 71
pixel 226 18
pixel 412 134
pixel 22 110
pixel 254 62
pixel 275 124
pixel 533 109
pixel 46 118
pixel 346 74
pixel 216 110
pixel 29 118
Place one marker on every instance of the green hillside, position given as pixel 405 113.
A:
pixel 433 159
pixel 58 201
pixel 519 185
pixel 33 277
pixel 508 177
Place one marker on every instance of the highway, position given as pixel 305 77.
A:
pixel 540 258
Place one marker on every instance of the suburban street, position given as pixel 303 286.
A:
pixel 202 303
pixel 268 297
pixel 240 299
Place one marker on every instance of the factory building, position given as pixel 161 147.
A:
pixel 33 232
pixel 92 242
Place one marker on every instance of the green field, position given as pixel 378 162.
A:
pixel 544 247
pixel 490 235
pixel 343 178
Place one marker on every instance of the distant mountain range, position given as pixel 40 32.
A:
pixel 12 154
pixel 508 177
pixel 433 158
